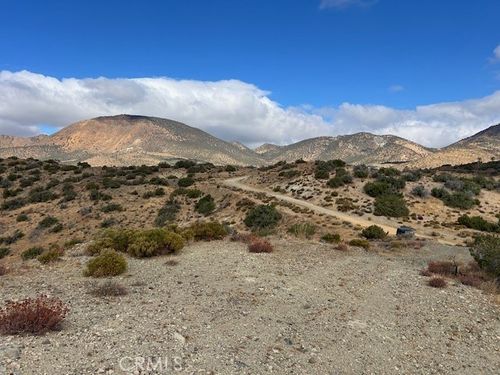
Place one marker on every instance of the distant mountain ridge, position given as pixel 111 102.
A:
pixel 133 139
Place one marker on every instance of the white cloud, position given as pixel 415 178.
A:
pixel 496 54
pixel 341 4
pixel 396 88
pixel 232 110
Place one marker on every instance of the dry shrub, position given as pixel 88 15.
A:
pixel 425 272
pixel 32 315
pixel 208 231
pixel 342 247
pixel 490 287
pixel 437 282
pixel 442 267
pixel 260 246
pixel 51 255
pixel 171 262
pixel 3 270
pixel 109 288
pixel 471 280
pixel 243 237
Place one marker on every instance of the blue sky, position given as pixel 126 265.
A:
pixel 304 55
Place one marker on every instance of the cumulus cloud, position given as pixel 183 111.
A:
pixel 232 110
pixel 341 4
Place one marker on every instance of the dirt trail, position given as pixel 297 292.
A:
pixel 356 220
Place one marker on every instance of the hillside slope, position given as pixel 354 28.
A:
pixel 127 139
pixel 356 148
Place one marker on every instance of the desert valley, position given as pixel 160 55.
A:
pixel 148 246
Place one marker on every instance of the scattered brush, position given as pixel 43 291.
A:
pixel 108 288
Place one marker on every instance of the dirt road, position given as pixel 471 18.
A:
pixel 356 220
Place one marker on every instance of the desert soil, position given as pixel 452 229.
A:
pixel 385 223
pixel 304 309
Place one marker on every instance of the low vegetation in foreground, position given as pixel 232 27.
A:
pixel 115 214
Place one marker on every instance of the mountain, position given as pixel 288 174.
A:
pixel 267 147
pixel 484 146
pixel 132 140
pixel 357 148
pixel 127 139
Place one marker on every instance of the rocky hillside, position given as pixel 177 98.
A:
pixel 484 146
pixel 126 140
pixel 356 148
pixel 135 140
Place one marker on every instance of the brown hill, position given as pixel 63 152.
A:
pixel 127 140
pixel 356 149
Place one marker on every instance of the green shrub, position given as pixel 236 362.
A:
pixel 107 223
pixel 230 168
pixel 207 231
pixel 138 243
pixel 111 207
pixel 419 191
pixel 107 263
pixel 4 251
pixel 13 204
pixel 391 172
pixel 185 182
pixel 167 213
pixel 306 230
pixel 184 164
pixel 32 252
pixel 391 206
pixel 360 243
pixel 331 238
pixel 321 174
pixel 13 238
pixel 51 255
pixel 373 232
pixel 152 242
pixel 439 193
pixel 47 222
pixel 159 192
pixel 56 228
pixel 289 174
pixel 205 205
pixel 262 217
pixel 377 188
pixel 69 192
pixel 111 183
pixel 39 195
pixel 116 239
pixel 478 223
pixel 22 217
pixel 361 171
pixel 486 251
pixel 339 181
pixel 460 200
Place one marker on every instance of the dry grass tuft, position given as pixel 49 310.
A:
pixel 109 288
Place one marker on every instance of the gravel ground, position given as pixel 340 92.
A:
pixel 304 309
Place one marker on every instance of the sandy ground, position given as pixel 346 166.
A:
pixel 304 309
pixel 385 223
